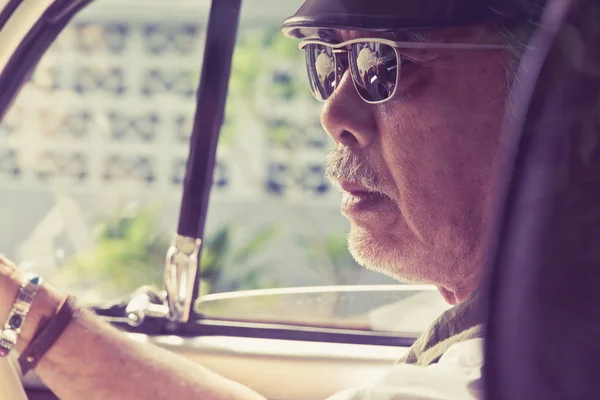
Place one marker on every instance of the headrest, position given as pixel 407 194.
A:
pixel 544 307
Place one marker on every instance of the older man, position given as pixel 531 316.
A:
pixel 415 94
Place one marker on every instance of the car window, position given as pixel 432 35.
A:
pixel 93 155
pixel 93 148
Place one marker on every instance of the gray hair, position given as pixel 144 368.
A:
pixel 517 38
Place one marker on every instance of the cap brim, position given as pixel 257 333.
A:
pixel 305 26
pixel 392 15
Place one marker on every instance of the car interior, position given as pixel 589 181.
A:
pixel 541 290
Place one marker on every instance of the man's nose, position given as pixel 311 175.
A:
pixel 347 118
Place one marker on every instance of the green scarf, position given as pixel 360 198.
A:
pixel 460 323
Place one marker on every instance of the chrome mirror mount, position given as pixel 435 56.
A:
pixel 179 276
pixel 175 301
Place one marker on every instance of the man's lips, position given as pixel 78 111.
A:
pixel 357 200
pixel 359 190
pixel 353 188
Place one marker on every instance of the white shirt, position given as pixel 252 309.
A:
pixel 457 376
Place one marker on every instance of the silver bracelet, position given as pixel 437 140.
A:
pixel 16 317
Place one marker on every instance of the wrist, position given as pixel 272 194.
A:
pixel 43 307
pixel 10 282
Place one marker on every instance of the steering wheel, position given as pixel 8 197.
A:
pixel 10 383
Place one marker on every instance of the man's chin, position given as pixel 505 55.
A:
pixel 374 251
pixel 385 252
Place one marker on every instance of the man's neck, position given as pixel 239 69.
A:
pixel 457 296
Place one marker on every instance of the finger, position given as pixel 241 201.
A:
pixel 6 266
pixel 9 270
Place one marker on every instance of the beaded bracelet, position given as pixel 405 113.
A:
pixel 20 308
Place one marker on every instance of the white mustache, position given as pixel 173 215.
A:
pixel 343 165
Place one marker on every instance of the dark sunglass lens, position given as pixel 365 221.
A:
pixel 321 68
pixel 374 69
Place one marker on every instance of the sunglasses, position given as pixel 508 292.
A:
pixel 374 64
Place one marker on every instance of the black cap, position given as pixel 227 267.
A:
pixel 398 15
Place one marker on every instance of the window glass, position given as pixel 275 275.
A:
pixel 93 152
pixel 408 310
pixel 93 149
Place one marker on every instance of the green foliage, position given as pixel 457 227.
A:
pixel 130 251
pixel 262 65
pixel 329 256
pixel 279 131
pixel 259 52
pixel 236 267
